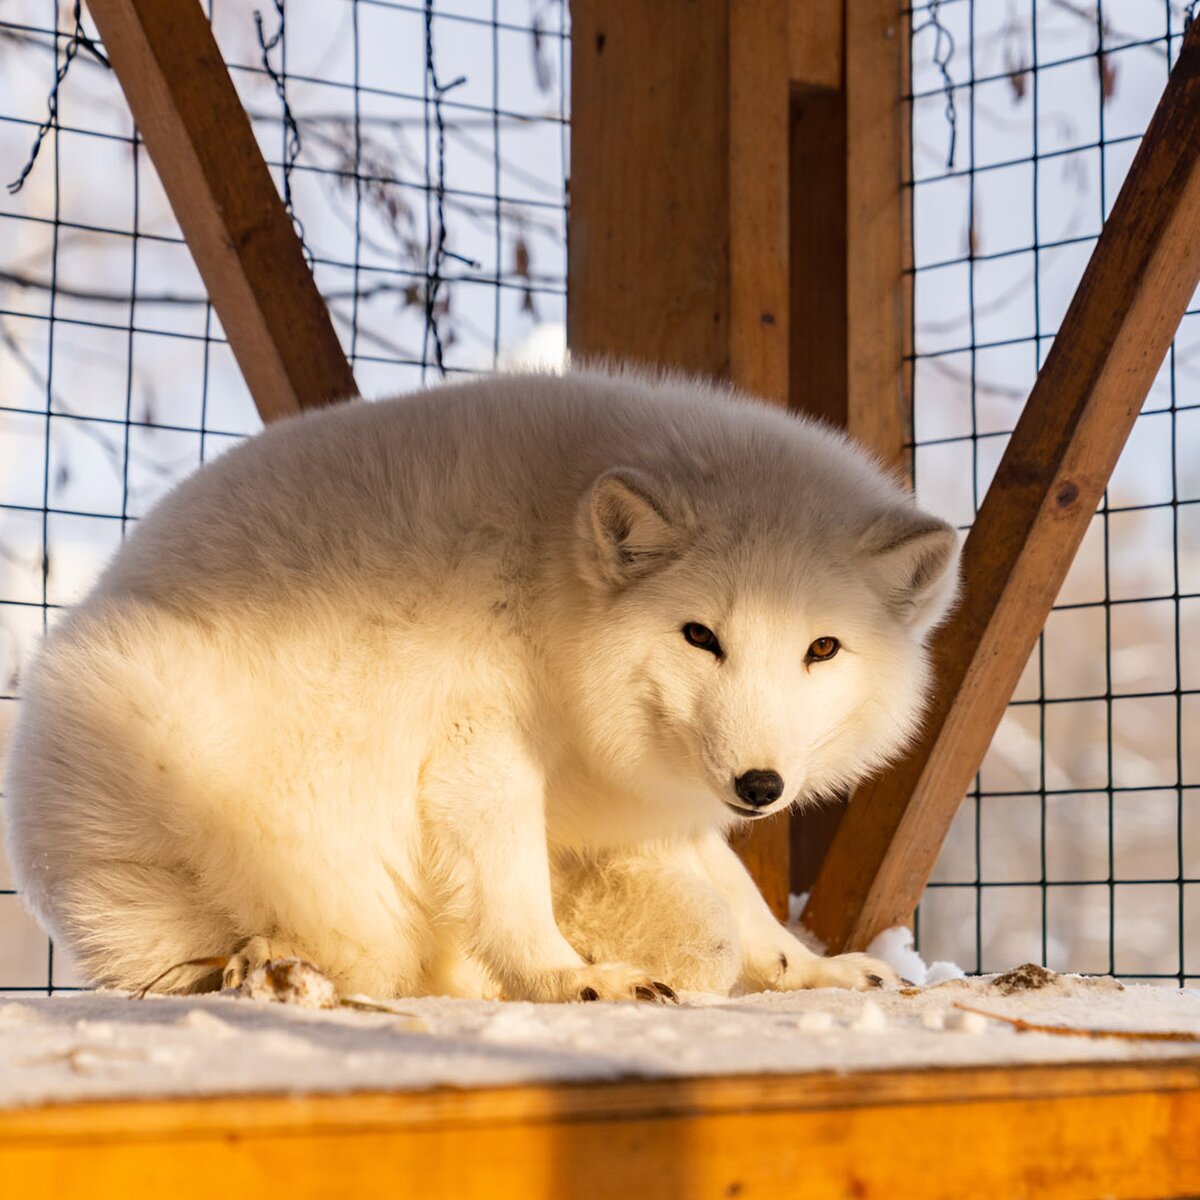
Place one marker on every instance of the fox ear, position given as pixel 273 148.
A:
pixel 914 560
pixel 627 527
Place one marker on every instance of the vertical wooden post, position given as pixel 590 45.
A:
pixel 850 242
pixel 648 242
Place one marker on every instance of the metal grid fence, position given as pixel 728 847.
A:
pixel 422 150
pixel 387 123
pixel 1079 845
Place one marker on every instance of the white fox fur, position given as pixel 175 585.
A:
pixel 402 689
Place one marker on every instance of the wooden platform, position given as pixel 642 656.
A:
pixel 1119 1130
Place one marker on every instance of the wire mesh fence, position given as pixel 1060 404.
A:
pixel 1079 845
pixel 422 152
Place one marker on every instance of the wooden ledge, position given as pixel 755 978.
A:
pixel 1116 1129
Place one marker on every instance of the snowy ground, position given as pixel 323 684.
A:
pixel 107 1045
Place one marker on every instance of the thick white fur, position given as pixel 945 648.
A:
pixel 401 688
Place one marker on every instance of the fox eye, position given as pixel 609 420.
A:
pixel 823 648
pixel 702 637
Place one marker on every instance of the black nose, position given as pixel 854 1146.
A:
pixel 759 787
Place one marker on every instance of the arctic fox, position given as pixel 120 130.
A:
pixel 460 692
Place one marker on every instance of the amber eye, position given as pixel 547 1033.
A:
pixel 702 637
pixel 822 649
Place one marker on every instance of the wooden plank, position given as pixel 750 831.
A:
pixel 815 43
pixel 1141 276
pixel 1070 1131
pixel 759 184
pixel 201 143
pixel 524 1103
pixel 850 289
pixel 851 239
pixel 648 239
pixel 878 233
pixel 819 255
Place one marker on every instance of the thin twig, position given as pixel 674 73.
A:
pixel 1127 1035
pixel 219 962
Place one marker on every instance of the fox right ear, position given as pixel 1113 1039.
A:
pixel 914 561
pixel 626 527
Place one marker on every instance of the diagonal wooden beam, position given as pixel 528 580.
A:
pixel 225 201
pixel 1144 270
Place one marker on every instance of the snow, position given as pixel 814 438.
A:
pixel 108 1045
pixel 895 947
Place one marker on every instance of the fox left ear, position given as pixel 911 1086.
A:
pixel 914 559
pixel 627 527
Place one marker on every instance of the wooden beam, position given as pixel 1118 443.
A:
pixel 850 236
pixel 815 43
pixel 648 238
pixel 759 295
pixel 878 229
pixel 820 255
pixel 1141 276
pixel 201 143
pixel 1057 1132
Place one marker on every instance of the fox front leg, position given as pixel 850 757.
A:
pixel 482 803
pixel 773 958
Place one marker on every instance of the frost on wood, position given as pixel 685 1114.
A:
pixel 106 1045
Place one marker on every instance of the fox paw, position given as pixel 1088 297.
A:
pixel 607 981
pixel 290 981
pixel 858 972
pixel 257 952
pixel 615 981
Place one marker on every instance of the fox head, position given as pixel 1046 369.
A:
pixel 741 653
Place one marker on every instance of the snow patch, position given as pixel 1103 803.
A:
pixel 815 1022
pixel 105 1045
pixel 870 1019
pixel 14 1015
pixel 966 1022
pixel 895 947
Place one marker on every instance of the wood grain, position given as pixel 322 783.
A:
pixel 648 237
pixel 878 231
pixel 759 217
pixel 815 43
pixel 201 143
pixel 1142 274
pixel 1116 1129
